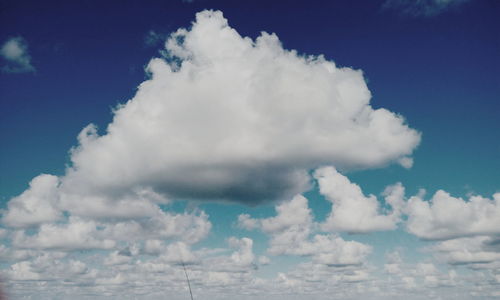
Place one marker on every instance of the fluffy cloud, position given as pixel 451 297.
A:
pixel 291 233
pixel 422 8
pixel 354 212
pixel 446 217
pixel 138 203
pixel 178 253
pixel 334 251
pixel 36 205
pixel 75 235
pixel 226 117
pixel 80 234
pixel 442 217
pixel 288 230
pixel 222 117
pixel 188 227
pixel 15 53
pixel 244 256
pixel 469 251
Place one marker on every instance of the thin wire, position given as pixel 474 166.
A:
pixel 187 278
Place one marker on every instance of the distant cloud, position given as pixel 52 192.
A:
pixel 476 252
pixel 15 53
pixel 154 38
pixel 422 8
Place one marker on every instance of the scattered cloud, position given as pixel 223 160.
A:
pixel 354 212
pixel 291 232
pixel 447 217
pixel 418 277
pixel 472 251
pixel 225 117
pixel 422 8
pixel 77 234
pixel 15 53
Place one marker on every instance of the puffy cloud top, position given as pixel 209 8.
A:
pixel 229 118
pixel 291 233
pixel 354 212
pixel 36 205
pixel 447 217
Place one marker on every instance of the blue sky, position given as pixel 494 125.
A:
pixel 209 166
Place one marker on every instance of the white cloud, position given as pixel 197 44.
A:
pixel 446 217
pixel 422 8
pixel 188 227
pixel 264 260
pixel 36 205
pixel 244 255
pixel 352 211
pixel 245 221
pixel 137 203
pixel 319 281
pixel 334 251
pixel 15 53
pixel 222 117
pixel 237 119
pixel 22 271
pixel 420 278
pixel 178 253
pixel 290 228
pixel 117 258
pixel 153 247
pixel 468 251
pixel 290 233
pixel 75 235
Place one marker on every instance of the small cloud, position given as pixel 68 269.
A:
pixel 406 162
pixel 15 53
pixel 154 38
pixel 264 260
pixel 422 8
pixel 352 211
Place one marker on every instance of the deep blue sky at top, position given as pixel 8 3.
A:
pixel 442 73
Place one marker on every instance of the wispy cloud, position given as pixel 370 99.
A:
pixel 15 53
pixel 153 38
pixel 422 8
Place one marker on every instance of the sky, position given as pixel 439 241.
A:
pixel 279 150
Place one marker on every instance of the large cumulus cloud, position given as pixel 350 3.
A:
pixel 226 117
